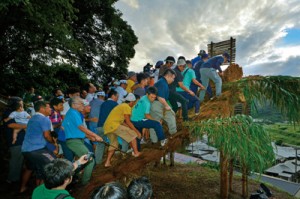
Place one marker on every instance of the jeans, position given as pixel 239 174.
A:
pixel 193 100
pixel 210 74
pixel 175 97
pixel 149 124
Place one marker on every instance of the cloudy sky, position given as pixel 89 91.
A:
pixel 267 32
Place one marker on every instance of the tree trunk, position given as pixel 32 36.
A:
pixel 230 175
pixel 245 182
pixel 172 161
pixel 223 176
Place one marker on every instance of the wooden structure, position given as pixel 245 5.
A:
pixel 219 48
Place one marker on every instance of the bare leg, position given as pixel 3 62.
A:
pixel 108 159
pixel 15 135
pixel 25 178
pixel 133 145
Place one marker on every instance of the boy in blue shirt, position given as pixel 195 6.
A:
pixel 141 117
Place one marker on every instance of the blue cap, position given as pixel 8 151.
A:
pixel 158 64
pixel 203 56
pixel 227 56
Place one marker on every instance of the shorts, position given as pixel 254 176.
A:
pixel 36 160
pixel 122 131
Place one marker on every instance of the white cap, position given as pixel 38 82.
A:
pixel 85 102
pixel 181 62
pixel 123 81
pixel 130 97
pixel 100 93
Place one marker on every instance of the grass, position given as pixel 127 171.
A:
pixel 284 133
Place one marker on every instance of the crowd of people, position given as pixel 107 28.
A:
pixel 70 131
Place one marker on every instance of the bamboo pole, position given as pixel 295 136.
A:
pixel 230 175
pixel 244 182
pixel 223 176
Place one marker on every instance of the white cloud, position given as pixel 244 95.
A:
pixel 173 27
pixel 132 3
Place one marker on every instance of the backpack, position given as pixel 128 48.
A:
pixel 62 196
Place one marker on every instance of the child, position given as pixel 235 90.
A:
pixel 21 117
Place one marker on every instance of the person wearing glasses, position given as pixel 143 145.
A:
pixel 75 132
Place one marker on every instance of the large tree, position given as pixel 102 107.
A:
pixel 88 38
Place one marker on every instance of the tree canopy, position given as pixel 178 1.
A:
pixel 43 42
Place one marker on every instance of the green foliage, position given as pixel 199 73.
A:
pixel 282 91
pixel 37 36
pixel 284 133
pixel 211 165
pixel 239 138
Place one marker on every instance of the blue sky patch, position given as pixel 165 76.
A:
pixel 292 38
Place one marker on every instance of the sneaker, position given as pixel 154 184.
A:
pixel 143 141
pixel 163 142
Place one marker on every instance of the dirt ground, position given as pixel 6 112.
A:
pixel 180 182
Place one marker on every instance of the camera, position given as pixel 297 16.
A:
pixel 89 155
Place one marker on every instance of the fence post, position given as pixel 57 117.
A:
pixel 231 46
pixel 211 49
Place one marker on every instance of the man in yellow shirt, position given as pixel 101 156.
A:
pixel 118 124
pixel 131 86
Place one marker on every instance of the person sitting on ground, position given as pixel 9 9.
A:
pixel 118 124
pixel 141 117
pixel 75 132
pixel 113 190
pixel 208 71
pixel 20 116
pixel 160 109
pixel 57 175
pixel 140 188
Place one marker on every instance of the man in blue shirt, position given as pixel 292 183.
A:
pixel 196 68
pixel 76 132
pixel 95 110
pixel 35 140
pixel 198 58
pixel 160 108
pixel 141 117
pixel 105 109
pixel 208 71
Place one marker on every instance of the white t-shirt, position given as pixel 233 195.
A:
pixel 66 108
pixel 89 97
pixel 20 117
pixel 122 92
